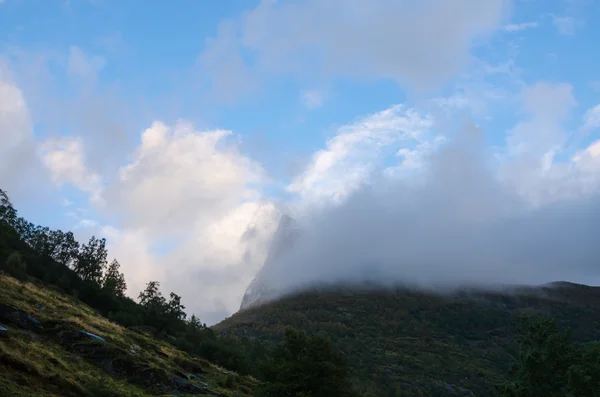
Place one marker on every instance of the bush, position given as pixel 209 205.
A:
pixel 15 266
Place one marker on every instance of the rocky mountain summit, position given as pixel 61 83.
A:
pixel 261 289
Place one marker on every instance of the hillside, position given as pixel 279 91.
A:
pixel 407 343
pixel 54 345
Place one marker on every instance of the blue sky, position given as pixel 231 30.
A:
pixel 301 87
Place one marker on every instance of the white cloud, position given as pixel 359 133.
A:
pixel 548 106
pixel 196 195
pixel 176 171
pixel 353 154
pixel 18 162
pixel 517 27
pixel 65 159
pixel 532 145
pixel 313 99
pixel 414 44
pixel 81 65
pixel 565 25
pixel 591 119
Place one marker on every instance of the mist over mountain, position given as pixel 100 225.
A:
pixel 461 222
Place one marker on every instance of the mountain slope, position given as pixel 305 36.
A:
pixel 53 345
pixel 409 343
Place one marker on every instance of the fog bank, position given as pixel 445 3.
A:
pixel 456 223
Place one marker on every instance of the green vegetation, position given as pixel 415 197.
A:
pixel 306 366
pixel 551 365
pixel 58 360
pixel 407 343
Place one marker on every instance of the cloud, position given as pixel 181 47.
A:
pixel 179 170
pixel 190 215
pixel 547 105
pixel 351 156
pixel 313 99
pixel 83 66
pixel 517 27
pixel 19 167
pixel 566 25
pixel 591 119
pixel 223 68
pixel 418 45
pixel 65 159
pixel 457 222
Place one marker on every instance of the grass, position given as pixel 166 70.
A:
pixel 51 363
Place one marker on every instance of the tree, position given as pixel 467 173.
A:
pixel 583 376
pixel 194 323
pixel 154 305
pixel 63 247
pixel 91 260
pixel 151 296
pixel 174 309
pixel 306 366
pixel 8 214
pixel 550 365
pixel 114 281
pixel 15 266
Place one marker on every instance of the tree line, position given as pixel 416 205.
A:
pixel 304 365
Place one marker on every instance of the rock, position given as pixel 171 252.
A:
pixel 73 336
pixel 3 332
pixel 86 334
pixel 191 376
pixel 455 390
pixel 132 352
pixel 19 318
pixel 136 347
pixel 184 386
pixel 222 370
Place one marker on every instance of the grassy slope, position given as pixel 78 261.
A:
pixel 418 343
pixel 47 363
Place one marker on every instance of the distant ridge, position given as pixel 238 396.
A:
pixel 409 342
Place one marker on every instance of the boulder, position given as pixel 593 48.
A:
pixel 87 335
pixel 19 318
pixel 184 386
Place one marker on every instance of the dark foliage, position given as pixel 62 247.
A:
pixel 306 366
pixel 401 342
pixel 551 365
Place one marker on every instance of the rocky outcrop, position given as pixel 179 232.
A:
pixel 12 315
pixel 260 290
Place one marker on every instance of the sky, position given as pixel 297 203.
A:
pixel 414 133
